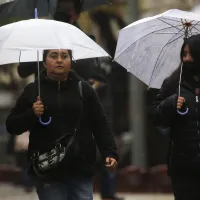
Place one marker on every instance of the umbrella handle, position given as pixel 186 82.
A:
pixel 183 113
pixel 45 123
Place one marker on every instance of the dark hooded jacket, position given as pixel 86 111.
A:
pixel 184 148
pixel 63 103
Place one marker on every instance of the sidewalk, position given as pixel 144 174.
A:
pixel 130 182
pixel 8 192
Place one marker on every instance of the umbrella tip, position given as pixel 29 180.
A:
pixel 36 13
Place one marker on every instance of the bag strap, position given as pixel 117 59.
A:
pixel 80 89
pixel 77 127
pixel 80 86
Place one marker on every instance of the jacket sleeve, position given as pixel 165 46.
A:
pixel 21 118
pixel 163 110
pixel 101 126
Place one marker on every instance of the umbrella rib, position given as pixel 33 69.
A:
pixel 171 19
pixel 195 24
pixel 161 53
pixel 166 29
pixel 194 27
pixel 177 21
pixel 190 31
pixel 170 28
pixel 175 39
pixel 167 33
pixel 169 24
pixel 145 36
pixel 86 47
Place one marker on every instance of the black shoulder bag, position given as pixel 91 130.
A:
pixel 42 163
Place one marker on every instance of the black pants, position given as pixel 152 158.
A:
pixel 186 186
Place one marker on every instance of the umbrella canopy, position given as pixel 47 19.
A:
pixel 150 48
pixel 41 34
pixel 13 56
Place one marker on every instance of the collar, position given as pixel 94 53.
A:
pixel 59 85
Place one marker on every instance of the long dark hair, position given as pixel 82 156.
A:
pixel 194 45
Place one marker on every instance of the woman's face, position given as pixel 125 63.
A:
pixel 186 54
pixel 58 62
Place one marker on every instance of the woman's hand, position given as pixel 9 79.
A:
pixel 180 102
pixel 111 164
pixel 38 107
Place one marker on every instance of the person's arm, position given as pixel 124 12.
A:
pixel 21 118
pixel 164 108
pixel 102 130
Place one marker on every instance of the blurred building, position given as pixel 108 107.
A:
pixel 152 7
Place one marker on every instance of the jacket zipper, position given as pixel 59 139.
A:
pixel 197 102
pixel 58 86
pixel 59 100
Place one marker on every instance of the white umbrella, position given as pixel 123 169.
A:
pixel 150 48
pixel 30 37
pixel 40 34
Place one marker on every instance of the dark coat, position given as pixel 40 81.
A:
pixel 62 102
pixel 184 148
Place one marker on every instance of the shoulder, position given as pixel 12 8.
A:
pixel 166 82
pixel 169 87
pixel 30 90
pixel 171 83
pixel 88 90
pixel 86 86
pixel 30 87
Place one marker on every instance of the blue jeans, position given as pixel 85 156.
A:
pixel 71 189
pixel 107 184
